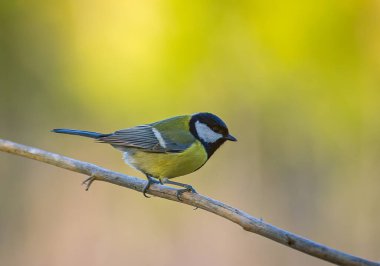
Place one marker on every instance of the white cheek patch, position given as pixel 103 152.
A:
pixel 206 133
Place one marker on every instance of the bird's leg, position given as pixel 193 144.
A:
pixel 187 188
pixel 88 181
pixel 146 187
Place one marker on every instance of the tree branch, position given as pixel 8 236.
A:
pixel 241 218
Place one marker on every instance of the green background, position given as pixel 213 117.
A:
pixel 298 83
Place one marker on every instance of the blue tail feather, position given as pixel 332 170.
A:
pixel 89 134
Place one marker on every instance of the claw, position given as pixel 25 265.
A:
pixel 187 188
pixel 88 181
pixel 151 181
pixel 146 187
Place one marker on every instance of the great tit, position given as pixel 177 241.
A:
pixel 168 148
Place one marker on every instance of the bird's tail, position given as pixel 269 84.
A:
pixel 89 134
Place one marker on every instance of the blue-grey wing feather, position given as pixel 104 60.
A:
pixel 141 137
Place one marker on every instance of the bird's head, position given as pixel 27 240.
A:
pixel 210 130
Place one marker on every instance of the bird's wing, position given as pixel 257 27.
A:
pixel 145 137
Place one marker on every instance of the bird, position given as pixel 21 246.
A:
pixel 167 148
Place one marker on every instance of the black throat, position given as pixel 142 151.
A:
pixel 210 147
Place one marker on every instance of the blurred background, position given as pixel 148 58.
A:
pixel 297 82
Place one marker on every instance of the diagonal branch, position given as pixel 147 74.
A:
pixel 241 218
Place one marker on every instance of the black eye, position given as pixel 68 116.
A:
pixel 216 129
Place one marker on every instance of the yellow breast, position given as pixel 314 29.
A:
pixel 168 165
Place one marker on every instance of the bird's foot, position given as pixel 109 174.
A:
pixel 187 188
pixel 146 187
pixel 88 182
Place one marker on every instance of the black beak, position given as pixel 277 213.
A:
pixel 230 137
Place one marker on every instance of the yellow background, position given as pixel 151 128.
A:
pixel 298 83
